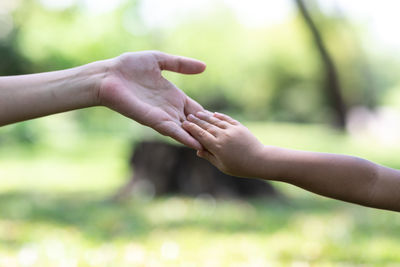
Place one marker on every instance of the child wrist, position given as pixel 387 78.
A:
pixel 268 169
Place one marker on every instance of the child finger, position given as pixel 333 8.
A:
pixel 226 118
pixel 213 120
pixel 205 138
pixel 204 124
pixel 204 154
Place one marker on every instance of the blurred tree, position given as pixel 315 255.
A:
pixel 355 62
pixel 267 72
pixel 12 62
pixel 333 88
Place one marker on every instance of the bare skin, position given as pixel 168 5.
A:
pixel 233 149
pixel 130 84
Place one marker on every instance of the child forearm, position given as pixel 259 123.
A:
pixel 234 150
pixel 341 177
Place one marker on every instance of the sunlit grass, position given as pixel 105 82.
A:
pixel 54 211
pixel 176 231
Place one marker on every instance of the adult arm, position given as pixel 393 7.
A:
pixel 130 84
pixel 233 149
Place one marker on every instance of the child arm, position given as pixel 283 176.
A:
pixel 233 149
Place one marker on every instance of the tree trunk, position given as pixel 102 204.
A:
pixel 161 168
pixel 333 88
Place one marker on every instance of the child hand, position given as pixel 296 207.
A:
pixel 229 145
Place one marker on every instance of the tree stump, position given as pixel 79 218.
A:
pixel 171 169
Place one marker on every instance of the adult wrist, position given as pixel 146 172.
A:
pixel 95 74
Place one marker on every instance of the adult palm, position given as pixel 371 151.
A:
pixel 134 87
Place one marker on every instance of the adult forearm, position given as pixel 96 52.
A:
pixel 130 84
pixel 337 176
pixel 30 96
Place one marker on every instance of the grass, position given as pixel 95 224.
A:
pixel 176 231
pixel 54 212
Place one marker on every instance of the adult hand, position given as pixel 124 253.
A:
pixel 133 86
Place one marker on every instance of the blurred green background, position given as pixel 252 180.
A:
pixel 264 68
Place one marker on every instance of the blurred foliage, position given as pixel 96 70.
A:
pixel 56 172
pixel 77 230
pixel 262 73
pixel 54 212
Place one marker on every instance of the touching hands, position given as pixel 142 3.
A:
pixel 133 86
pixel 228 145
